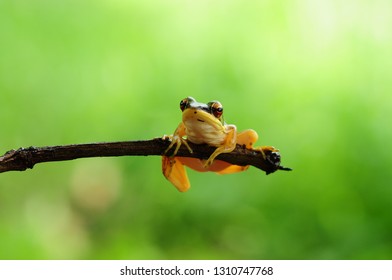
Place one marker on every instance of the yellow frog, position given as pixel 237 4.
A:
pixel 203 124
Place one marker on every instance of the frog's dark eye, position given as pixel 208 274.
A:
pixel 184 104
pixel 216 109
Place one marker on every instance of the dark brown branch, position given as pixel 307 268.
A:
pixel 24 158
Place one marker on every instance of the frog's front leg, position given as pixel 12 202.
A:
pixel 245 138
pixel 175 172
pixel 226 146
pixel 177 139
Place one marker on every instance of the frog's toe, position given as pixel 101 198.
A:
pixel 174 141
pixel 187 145
pixel 207 163
pixel 168 148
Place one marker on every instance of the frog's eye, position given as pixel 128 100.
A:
pixel 216 109
pixel 184 104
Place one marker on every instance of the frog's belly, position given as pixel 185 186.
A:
pixel 204 133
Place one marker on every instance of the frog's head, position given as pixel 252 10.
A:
pixel 213 108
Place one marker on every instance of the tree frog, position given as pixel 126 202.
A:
pixel 203 124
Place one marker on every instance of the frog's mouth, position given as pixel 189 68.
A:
pixel 199 120
pixel 200 115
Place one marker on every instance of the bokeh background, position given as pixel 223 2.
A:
pixel 313 78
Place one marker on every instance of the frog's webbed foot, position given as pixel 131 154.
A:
pixel 175 172
pixel 264 150
pixel 178 141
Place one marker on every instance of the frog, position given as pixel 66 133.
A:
pixel 203 123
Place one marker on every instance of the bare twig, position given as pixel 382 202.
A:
pixel 24 158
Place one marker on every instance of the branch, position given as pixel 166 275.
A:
pixel 24 158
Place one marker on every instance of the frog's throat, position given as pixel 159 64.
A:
pixel 192 114
pixel 203 128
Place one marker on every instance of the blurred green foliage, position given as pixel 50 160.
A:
pixel 312 77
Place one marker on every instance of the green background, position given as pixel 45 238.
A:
pixel 313 78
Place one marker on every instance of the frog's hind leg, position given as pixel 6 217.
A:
pixel 175 172
pixel 218 166
pixel 247 137
pixel 233 169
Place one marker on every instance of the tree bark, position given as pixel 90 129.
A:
pixel 24 158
